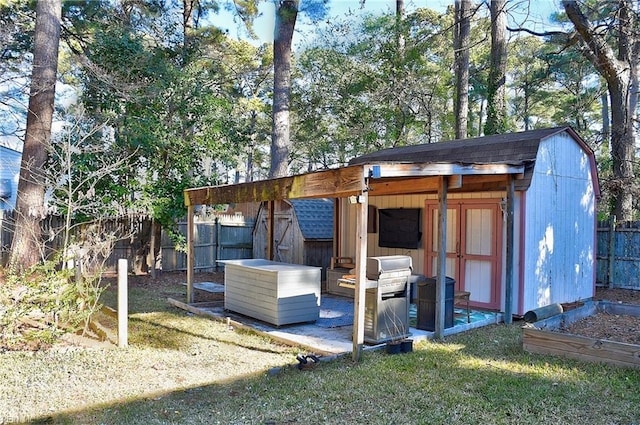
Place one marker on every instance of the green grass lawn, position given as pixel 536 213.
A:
pixel 184 369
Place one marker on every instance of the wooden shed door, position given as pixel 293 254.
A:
pixel 283 238
pixel 474 235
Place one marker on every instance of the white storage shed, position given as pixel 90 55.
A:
pixel 554 218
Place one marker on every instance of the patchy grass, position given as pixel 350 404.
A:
pixel 480 378
pixel 186 369
pixel 168 350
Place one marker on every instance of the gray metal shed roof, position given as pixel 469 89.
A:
pixel 315 217
pixel 511 148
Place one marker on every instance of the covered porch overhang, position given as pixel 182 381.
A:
pixel 356 182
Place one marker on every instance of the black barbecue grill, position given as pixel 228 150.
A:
pixel 386 315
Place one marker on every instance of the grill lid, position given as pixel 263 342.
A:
pixel 384 264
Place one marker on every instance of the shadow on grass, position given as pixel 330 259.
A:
pixel 159 335
pixel 481 376
pixel 155 407
pixel 155 323
pixel 143 300
pixel 438 383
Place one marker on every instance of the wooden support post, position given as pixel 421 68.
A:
pixel 362 209
pixel 123 303
pixel 612 251
pixel 442 258
pixel 337 228
pixel 508 296
pixel 190 254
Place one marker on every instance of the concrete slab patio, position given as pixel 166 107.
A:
pixel 330 334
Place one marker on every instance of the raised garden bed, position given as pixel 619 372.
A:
pixel 549 336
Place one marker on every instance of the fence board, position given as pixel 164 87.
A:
pixel 230 237
pixel 227 237
pixel 618 255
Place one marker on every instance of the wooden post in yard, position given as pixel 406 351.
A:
pixel 123 303
pixel 190 254
pixel 362 209
pixel 442 257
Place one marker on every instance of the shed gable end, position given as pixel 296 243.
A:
pixel 560 224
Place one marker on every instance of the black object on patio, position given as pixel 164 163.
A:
pixel 427 303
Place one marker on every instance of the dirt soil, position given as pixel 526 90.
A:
pixel 619 328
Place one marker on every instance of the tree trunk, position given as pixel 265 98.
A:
pixel 480 115
pixel 187 27
pixel 606 127
pixel 400 12
pixel 398 82
pixel 620 71
pixel 526 113
pixel 141 247
pixel 496 87
pixel 155 250
pixel 27 248
pixel 286 15
pixel 252 144
pixel 461 46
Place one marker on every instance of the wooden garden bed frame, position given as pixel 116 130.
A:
pixel 539 338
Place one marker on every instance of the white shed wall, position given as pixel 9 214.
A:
pixel 559 227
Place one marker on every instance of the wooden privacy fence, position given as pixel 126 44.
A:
pixel 618 256
pixel 227 237
pixel 230 237
pixel 132 230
